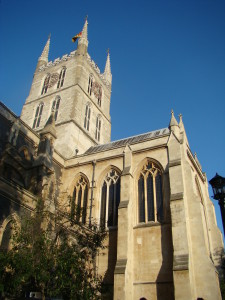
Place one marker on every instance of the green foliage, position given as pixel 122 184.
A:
pixel 53 255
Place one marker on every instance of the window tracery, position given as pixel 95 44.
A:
pixel 61 77
pixel 46 84
pixel 79 200
pixel 87 117
pixel 38 114
pixel 98 128
pixel 110 199
pixel 55 106
pixel 150 196
pixel 97 90
pixel 90 84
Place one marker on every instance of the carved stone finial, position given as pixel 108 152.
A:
pixel 173 121
pixel 86 18
pixel 180 116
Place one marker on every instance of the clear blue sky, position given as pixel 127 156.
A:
pixel 164 54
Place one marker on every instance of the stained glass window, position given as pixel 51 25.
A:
pixel 110 199
pixel 150 196
pixel 79 200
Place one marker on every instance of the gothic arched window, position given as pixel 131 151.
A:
pixel 98 94
pixel 87 117
pixel 8 227
pixel 110 199
pixel 38 114
pixel 45 85
pixel 55 106
pixel 90 84
pixel 79 200
pixel 150 196
pixel 61 77
pixel 6 242
pixel 98 128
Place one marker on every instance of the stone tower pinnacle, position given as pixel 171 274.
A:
pixel 43 59
pixel 107 72
pixel 44 54
pixel 83 40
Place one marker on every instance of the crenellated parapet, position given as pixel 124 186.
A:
pixel 67 57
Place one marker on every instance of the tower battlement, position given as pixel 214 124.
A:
pixel 74 87
pixel 67 57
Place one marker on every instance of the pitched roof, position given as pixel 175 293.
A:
pixel 130 140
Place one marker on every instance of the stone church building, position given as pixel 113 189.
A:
pixel 149 190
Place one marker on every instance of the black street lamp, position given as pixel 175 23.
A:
pixel 218 186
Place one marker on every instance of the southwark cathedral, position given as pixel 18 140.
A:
pixel 148 190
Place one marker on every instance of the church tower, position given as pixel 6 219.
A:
pixel 79 94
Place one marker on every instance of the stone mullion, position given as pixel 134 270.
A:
pixel 76 201
pixel 82 202
pixel 76 198
pixel 114 204
pixel 82 196
pixel 154 198
pixel 107 203
pixel 146 199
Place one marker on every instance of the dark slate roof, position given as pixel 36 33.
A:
pixel 130 140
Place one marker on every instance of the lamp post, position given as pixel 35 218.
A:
pixel 218 186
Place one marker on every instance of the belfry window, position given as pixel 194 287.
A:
pixel 45 85
pixel 98 128
pixel 55 106
pixel 150 197
pixel 38 114
pixel 61 78
pixel 79 200
pixel 110 199
pixel 87 117
pixel 90 84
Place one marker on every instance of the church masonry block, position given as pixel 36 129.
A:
pixel 123 243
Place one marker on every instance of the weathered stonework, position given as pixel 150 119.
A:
pixel 175 255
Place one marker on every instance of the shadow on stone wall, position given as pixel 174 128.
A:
pixel 108 280
pixel 165 287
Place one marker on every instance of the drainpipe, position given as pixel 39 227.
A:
pixel 92 190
